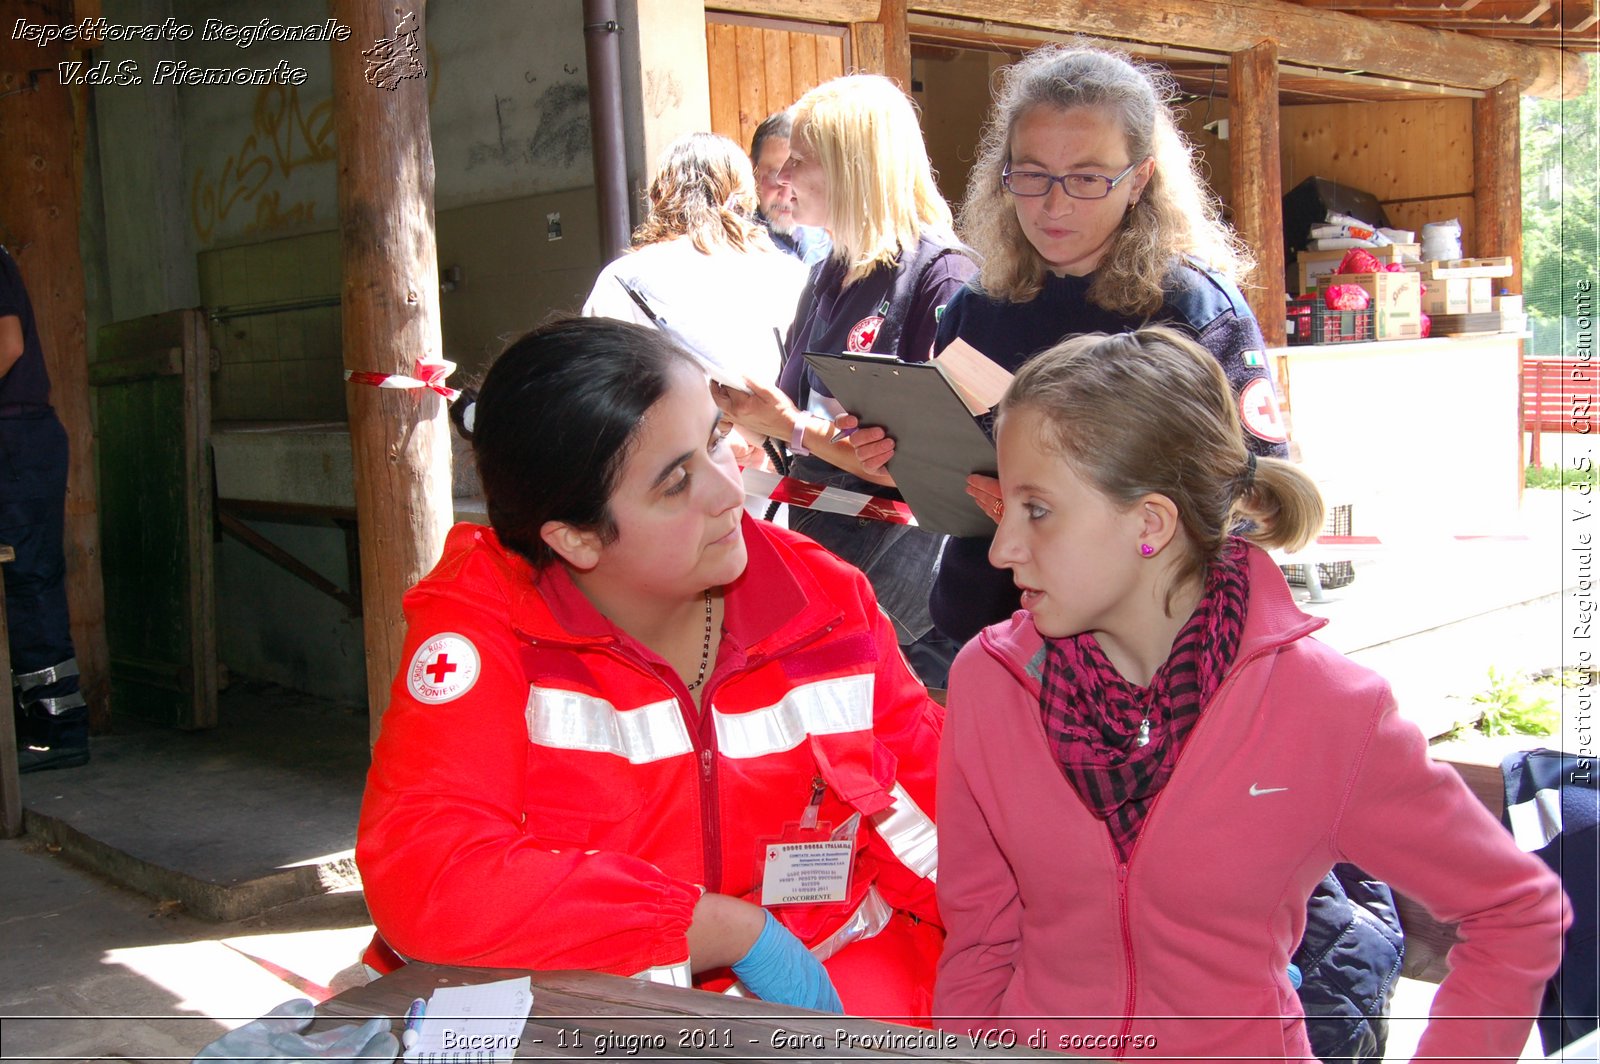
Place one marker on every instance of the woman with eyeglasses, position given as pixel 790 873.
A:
pixel 1089 216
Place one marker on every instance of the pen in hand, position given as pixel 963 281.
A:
pixel 414 1014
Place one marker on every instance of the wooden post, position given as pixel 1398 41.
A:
pixel 1257 180
pixel 1497 178
pixel 896 43
pixel 390 303
pixel 866 49
pixel 40 183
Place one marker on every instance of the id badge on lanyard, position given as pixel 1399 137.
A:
pixel 811 861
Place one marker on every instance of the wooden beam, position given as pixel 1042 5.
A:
pixel 835 11
pixel 40 189
pixel 1497 179
pixel 390 302
pixel 896 43
pixel 1257 183
pixel 1309 37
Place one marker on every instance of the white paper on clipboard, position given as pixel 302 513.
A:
pixel 937 442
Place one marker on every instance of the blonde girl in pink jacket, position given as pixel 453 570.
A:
pixel 1147 770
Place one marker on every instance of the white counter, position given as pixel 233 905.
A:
pixel 1415 433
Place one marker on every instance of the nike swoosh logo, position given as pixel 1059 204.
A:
pixel 1256 792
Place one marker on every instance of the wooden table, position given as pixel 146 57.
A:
pixel 587 1015
pixel 10 779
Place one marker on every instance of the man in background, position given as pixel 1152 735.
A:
pixel 52 719
pixel 769 149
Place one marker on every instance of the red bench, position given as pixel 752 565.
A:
pixel 1558 395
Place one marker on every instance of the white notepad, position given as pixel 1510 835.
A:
pixel 481 1023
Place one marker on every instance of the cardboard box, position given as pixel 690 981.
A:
pixel 1315 265
pixel 1480 295
pixel 1396 301
pixel 1458 295
pixel 1508 304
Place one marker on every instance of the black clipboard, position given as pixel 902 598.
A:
pixel 937 441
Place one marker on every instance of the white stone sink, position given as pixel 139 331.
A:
pixel 308 463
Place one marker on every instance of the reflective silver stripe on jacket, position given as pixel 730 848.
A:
pixel 566 720
pixel 27 681
pixel 668 974
pixel 869 919
pixel 57 706
pixel 910 834
pixel 826 707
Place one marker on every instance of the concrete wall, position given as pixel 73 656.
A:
pixel 226 196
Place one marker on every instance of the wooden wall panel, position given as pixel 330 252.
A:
pixel 1414 156
pixel 722 61
pixel 802 63
pixel 752 92
pixel 779 72
pixel 830 58
pixel 756 69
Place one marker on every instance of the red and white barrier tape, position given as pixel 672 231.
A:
pixel 765 484
pixel 430 375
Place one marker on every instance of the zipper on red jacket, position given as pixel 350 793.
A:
pixel 1127 950
pixel 705 732
pixel 1124 867
pixel 711 812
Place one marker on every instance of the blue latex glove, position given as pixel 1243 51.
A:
pixel 780 969
pixel 277 1036
pixel 1295 978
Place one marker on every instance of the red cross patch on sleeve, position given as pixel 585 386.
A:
pixel 443 668
pixel 1258 410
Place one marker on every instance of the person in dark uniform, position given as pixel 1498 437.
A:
pixel 1086 211
pixel 52 719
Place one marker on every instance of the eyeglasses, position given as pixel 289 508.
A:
pixel 1034 183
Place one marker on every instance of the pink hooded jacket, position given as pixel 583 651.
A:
pixel 1299 761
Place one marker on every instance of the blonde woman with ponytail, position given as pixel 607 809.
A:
pixel 1145 772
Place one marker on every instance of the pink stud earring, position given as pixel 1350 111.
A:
pixel 1147 550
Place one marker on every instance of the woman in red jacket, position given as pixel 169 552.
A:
pixel 627 708
pixel 1150 767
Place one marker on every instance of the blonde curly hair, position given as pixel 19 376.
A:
pixel 882 197
pixel 1174 216
pixel 703 189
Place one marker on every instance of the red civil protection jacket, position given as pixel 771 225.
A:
pixel 545 794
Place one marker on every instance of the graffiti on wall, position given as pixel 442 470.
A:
pixel 559 139
pixel 284 137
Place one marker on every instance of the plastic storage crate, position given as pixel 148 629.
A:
pixel 1313 323
pixel 1329 574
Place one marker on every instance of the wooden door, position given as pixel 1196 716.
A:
pixel 758 66
pixel 152 391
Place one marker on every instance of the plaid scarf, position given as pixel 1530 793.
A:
pixel 1093 716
